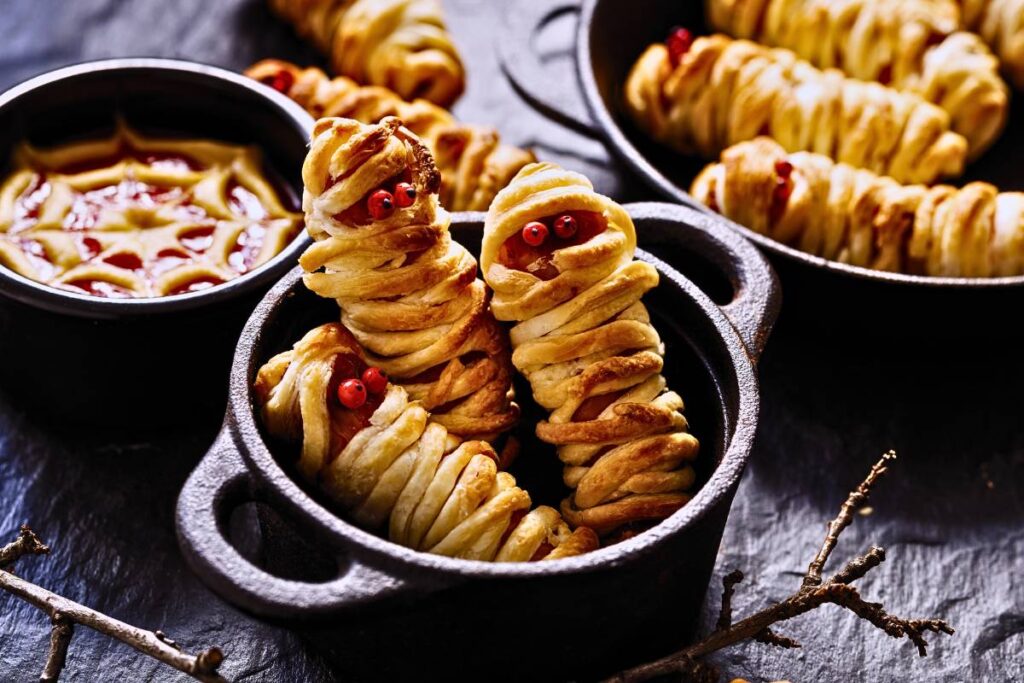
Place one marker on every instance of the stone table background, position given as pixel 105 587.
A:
pixel 949 515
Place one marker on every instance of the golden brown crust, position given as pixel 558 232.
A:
pixel 854 216
pixel 584 335
pixel 725 91
pixel 403 471
pixel 911 45
pixel 1001 24
pixel 402 45
pixel 473 162
pixel 407 291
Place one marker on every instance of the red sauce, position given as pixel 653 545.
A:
pixel 142 200
pixel 516 254
pixel 247 248
pixel 197 240
pixel 347 422
pixel 197 285
pixel 100 288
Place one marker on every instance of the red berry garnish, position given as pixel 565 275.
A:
pixel 282 81
pixel 381 204
pixel 375 380
pixel 679 42
pixel 535 233
pixel 405 194
pixel 565 226
pixel 783 168
pixel 352 393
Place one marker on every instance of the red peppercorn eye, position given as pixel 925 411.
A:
pixel 679 42
pixel 405 194
pixel 352 393
pixel 375 380
pixel 535 233
pixel 783 168
pixel 565 226
pixel 282 81
pixel 381 204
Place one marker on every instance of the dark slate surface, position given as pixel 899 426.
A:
pixel 950 515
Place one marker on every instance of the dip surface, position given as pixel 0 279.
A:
pixel 135 216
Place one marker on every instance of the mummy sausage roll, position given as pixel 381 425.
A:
pixel 559 258
pixel 701 96
pixel 855 216
pixel 385 462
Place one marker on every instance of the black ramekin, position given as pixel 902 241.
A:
pixel 138 361
pixel 390 613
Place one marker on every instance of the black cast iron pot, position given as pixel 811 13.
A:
pixel 831 298
pixel 384 612
pixel 138 361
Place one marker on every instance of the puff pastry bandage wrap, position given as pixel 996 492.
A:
pixel 407 291
pixel 854 216
pixel 399 44
pixel 912 45
pixel 725 91
pixel 401 469
pixel 474 164
pixel 586 344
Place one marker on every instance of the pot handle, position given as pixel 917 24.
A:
pixel 528 74
pixel 219 484
pixel 756 294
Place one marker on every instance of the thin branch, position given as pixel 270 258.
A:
pixel 811 594
pixel 27 543
pixel 857 498
pixel 728 588
pixel 60 639
pixel 64 612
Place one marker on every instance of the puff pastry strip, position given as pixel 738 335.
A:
pixel 854 216
pixel 402 45
pixel 407 291
pixel 474 164
pixel 1001 24
pixel 585 342
pixel 724 91
pixel 912 45
pixel 401 470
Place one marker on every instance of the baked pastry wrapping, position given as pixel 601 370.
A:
pixel 854 216
pixel 389 465
pixel 1001 24
pixel 402 45
pixel 912 45
pixel 559 258
pixel 722 91
pixel 407 291
pixel 474 163
pixel 131 215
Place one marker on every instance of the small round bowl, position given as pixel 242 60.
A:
pixel 128 362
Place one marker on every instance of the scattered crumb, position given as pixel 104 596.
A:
pixel 866 510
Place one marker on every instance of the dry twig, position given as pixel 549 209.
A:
pixel 65 613
pixel 813 592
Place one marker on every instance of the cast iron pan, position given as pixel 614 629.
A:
pixel 383 612
pixel 610 36
pixel 134 362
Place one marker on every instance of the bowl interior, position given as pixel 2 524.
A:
pixel 166 98
pixel 700 364
pixel 612 41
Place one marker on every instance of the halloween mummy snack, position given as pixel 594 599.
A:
pixel 474 164
pixel 381 457
pixel 559 258
pixel 701 96
pixel 402 45
pixel 857 217
pixel 911 45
